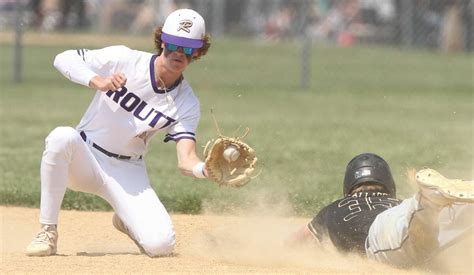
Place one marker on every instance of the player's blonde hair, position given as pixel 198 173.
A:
pixel 202 51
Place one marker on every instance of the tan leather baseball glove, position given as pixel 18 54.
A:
pixel 229 161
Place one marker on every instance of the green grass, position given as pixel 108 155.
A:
pixel 413 108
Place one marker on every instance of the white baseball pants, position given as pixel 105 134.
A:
pixel 70 162
pixel 410 233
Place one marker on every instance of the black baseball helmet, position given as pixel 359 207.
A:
pixel 368 167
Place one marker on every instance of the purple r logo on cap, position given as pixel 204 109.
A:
pixel 185 25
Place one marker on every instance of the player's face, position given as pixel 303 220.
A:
pixel 177 58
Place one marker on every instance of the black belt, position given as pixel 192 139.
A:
pixel 105 152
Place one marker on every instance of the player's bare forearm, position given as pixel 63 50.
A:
pixel 109 83
pixel 299 237
pixel 187 157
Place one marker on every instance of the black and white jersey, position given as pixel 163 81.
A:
pixel 346 222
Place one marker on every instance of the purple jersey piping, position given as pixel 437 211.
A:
pixel 152 73
pixel 153 78
pixel 179 135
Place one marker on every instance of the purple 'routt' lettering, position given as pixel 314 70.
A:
pixel 129 107
pixel 139 109
pixel 117 94
pixel 157 117
pixel 130 101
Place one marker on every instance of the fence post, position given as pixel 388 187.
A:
pixel 406 22
pixel 218 20
pixel 17 47
pixel 305 79
pixel 202 8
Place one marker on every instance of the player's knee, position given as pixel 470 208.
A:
pixel 160 245
pixel 61 137
pixel 63 133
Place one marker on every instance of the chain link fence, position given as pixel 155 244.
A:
pixel 426 24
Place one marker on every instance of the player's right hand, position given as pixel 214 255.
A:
pixel 109 83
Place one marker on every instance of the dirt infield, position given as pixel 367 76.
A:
pixel 88 243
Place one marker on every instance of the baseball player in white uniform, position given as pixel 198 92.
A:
pixel 370 220
pixel 139 95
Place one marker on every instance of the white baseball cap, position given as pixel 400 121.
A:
pixel 185 28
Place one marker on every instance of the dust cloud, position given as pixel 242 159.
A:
pixel 257 237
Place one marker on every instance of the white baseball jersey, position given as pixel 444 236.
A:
pixel 123 122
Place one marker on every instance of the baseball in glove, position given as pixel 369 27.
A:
pixel 229 161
